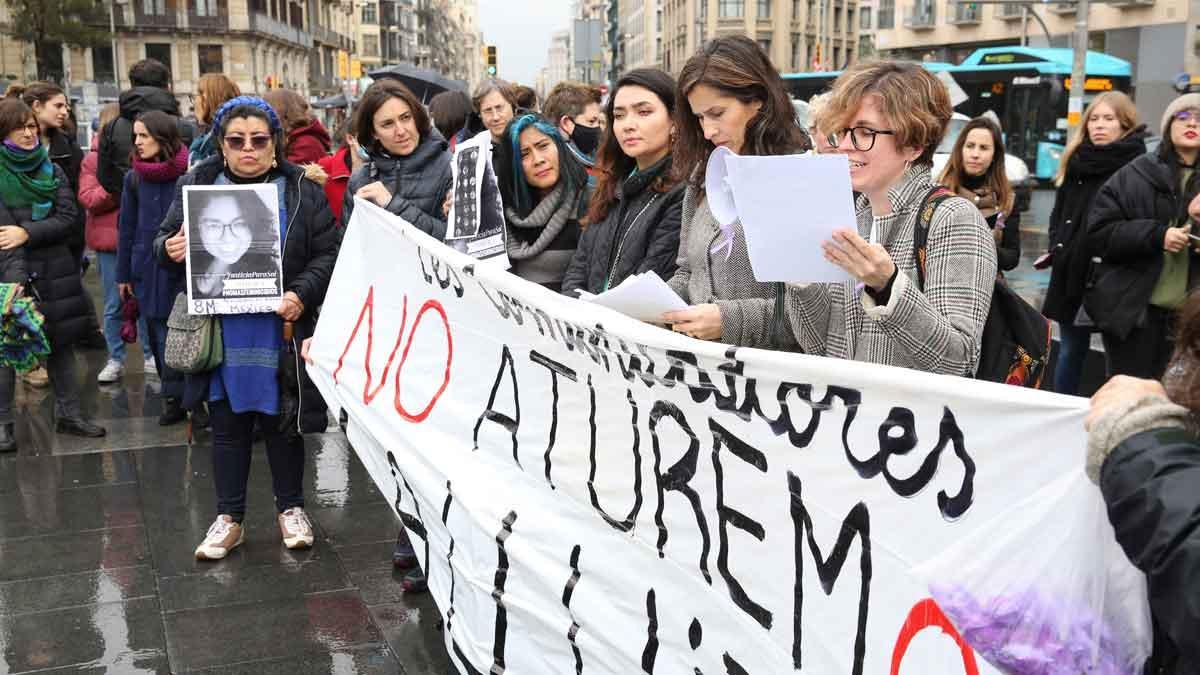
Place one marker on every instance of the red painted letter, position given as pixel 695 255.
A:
pixel 926 614
pixel 420 417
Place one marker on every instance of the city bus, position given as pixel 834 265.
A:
pixel 1026 87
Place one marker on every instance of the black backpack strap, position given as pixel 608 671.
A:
pixel 936 195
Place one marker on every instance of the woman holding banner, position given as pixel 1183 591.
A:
pixel 408 170
pixel 637 203
pixel 887 118
pixel 160 158
pixel 245 392
pixel 1144 454
pixel 734 99
pixel 545 194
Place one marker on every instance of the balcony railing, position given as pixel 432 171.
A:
pixel 208 22
pixel 1062 8
pixel 323 34
pixel 1133 3
pixel 921 16
pixel 261 23
pixel 169 19
pixel 1008 11
pixel 963 13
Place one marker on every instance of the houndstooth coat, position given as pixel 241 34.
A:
pixel 938 330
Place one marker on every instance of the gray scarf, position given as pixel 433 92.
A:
pixel 551 214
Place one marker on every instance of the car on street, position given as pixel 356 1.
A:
pixel 1014 167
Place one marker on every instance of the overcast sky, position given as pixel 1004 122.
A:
pixel 521 29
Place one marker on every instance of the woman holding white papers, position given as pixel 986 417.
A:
pixel 637 203
pixel 735 99
pixel 888 118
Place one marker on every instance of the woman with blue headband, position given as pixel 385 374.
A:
pixel 246 390
pixel 545 194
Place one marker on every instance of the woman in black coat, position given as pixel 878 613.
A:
pixel 1139 227
pixel 253 387
pixel 636 207
pixel 38 203
pixel 1144 454
pixel 408 172
pixel 1109 139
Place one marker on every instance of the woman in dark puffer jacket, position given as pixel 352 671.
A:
pixel 38 213
pixel 1139 226
pixel 636 208
pixel 1144 453
pixel 1108 140
pixel 408 172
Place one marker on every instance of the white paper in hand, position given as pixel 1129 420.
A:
pixel 788 205
pixel 644 297
pixel 717 189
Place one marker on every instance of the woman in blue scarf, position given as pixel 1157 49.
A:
pixel 250 388
pixel 37 216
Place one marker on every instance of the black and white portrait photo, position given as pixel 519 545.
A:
pixel 476 223
pixel 233 253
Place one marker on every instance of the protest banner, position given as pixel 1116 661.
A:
pixel 591 494
pixel 233 256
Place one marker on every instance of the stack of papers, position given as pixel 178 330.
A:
pixel 645 297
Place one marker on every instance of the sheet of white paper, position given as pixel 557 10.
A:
pixel 788 205
pixel 957 95
pixel 717 188
pixel 642 296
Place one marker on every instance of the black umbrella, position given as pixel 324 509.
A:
pixel 336 101
pixel 423 82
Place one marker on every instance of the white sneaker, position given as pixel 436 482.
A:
pixel 149 368
pixel 111 372
pixel 295 528
pixel 223 536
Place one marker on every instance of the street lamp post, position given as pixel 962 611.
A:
pixel 1079 67
pixel 112 30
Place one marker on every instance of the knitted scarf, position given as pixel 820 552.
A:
pixel 162 172
pixel 27 178
pixel 975 190
pixel 550 215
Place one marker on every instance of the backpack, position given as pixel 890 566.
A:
pixel 1016 337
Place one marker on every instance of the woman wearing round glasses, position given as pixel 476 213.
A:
pixel 1141 228
pixel 887 118
pixel 246 390
pixel 226 224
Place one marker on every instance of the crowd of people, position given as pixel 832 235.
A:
pixel 596 189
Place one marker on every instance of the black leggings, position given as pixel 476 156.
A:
pixel 233 435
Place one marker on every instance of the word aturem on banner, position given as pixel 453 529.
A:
pixel 596 495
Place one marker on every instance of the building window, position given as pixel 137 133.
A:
pixel 796 4
pixel 887 15
pixel 103 69
pixel 370 13
pixel 370 45
pixel 765 43
pixel 211 59
pixel 797 54
pixel 206 8
pixel 730 9
pixel 864 18
pixel 154 7
pixel 701 9
pixel 764 9
pixel 160 51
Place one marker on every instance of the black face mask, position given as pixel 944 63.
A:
pixel 587 139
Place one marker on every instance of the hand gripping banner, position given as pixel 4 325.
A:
pixel 591 494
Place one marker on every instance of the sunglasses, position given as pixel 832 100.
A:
pixel 238 142
pixel 1185 115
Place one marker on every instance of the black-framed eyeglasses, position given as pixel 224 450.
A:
pixel 862 138
pixel 220 230
pixel 257 141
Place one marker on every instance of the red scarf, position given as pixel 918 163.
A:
pixel 163 172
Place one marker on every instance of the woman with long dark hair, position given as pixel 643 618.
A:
pixel 160 158
pixel 1140 227
pixel 729 95
pixel 408 169
pixel 38 214
pixel 545 195
pixel 975 172
pixel 246 391
pixel 638 201
pixel 1109 138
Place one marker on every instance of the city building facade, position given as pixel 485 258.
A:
pixel 799 35
pixel 1157 37
pixel 638 39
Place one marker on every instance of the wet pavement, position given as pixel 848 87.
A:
pixel 97 573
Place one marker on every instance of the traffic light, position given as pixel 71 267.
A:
pixel 491 60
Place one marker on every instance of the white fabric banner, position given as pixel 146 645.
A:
pixel 591 494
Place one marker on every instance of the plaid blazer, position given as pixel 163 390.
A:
pixel 937 330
